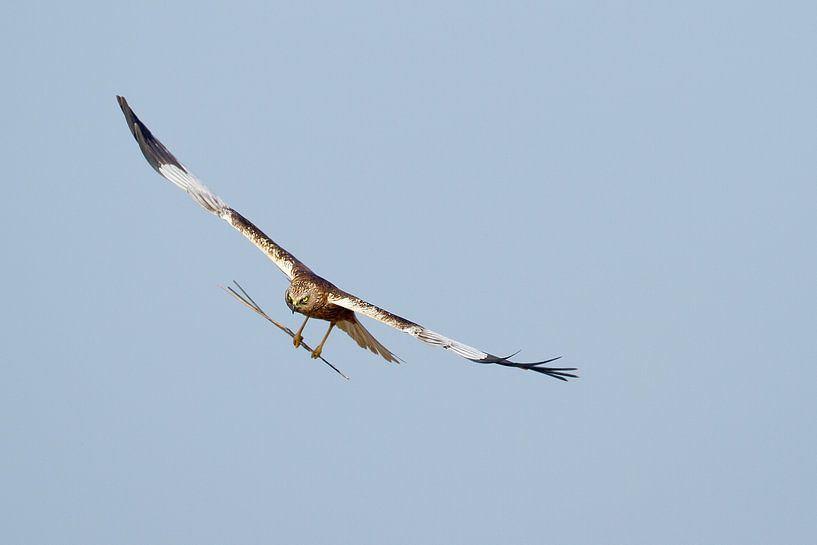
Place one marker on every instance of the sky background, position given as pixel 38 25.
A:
pixel 629 185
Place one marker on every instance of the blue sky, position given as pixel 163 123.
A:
pixel 630 186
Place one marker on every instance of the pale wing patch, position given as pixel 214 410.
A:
pixel 193 186
pixel 166 164
pixel 435 339
pixel 171 169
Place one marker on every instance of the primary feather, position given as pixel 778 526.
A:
pixel 174 171
pixel 338 307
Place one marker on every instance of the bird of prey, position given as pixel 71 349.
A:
pixel 308 293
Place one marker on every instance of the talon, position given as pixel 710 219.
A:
pixel 317 352
pixel 296 340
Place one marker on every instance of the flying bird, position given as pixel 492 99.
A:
pixel 309 294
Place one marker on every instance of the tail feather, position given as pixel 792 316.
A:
pixel 365 339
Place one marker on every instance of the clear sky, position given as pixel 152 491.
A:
pixel 629 185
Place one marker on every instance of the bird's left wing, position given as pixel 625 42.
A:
pixel 356 304
pixel 171 169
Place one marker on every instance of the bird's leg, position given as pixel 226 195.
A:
pixel 296 340
pixel 317 352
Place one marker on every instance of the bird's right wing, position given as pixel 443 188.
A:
pixel 171 169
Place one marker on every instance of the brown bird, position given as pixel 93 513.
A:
pixel 308 293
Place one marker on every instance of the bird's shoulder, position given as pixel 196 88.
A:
pixel 308 279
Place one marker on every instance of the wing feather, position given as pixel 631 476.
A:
pixel 433 338
pixel 174 171
pixel 364 339
pixel 171 169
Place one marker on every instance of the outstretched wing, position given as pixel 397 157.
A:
pixel 170 168
pixel 356 304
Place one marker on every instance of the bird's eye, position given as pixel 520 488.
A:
pixel 304 299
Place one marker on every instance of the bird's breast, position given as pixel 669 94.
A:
pixel 330 313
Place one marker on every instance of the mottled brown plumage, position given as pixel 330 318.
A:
pixel 287 262
pixel 308 293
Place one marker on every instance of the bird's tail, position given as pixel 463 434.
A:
pixel 366 340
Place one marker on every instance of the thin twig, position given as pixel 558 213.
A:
pixel 248 302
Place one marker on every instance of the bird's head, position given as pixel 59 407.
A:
pixel 302 298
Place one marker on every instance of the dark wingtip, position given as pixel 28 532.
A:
pixel 130 117
pixel 153 150
pixel 123 104
pixel 125 107
pixel 555 372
